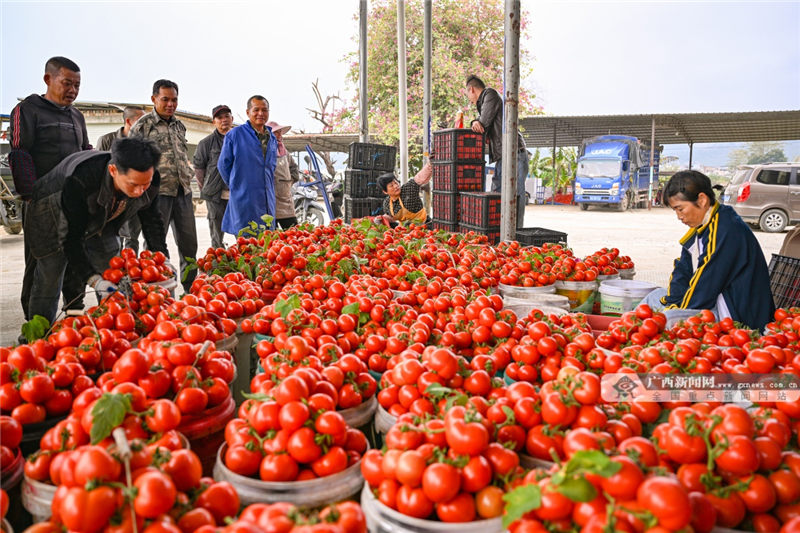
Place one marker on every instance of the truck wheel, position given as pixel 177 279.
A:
pixel 584 207
pixel 624 203
pixel 773 221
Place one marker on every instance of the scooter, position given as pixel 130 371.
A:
pixel 10 203
pixel 306 206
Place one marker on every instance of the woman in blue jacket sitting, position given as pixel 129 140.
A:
pixel 721 266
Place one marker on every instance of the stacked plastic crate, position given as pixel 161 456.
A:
pixel 480 212
pixel 457 171
pixel 362 195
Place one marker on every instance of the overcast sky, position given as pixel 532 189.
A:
pixel 589 57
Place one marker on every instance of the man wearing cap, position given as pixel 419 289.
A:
pixel 212 188
pixel 286 174
pixel 247 165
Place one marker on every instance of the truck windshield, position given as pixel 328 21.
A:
pixel 601 168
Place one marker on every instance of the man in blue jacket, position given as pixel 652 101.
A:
pixel 721 267
pixel 247 166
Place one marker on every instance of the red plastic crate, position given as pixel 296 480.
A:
pixel 492 233
pixel 445 206
pixel 461 145
pixel 480 209
pixel 442 225
pixel 461 177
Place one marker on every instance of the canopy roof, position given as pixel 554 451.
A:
pixel 681 128
pixel 539 130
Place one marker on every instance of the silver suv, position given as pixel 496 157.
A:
pixel 767 195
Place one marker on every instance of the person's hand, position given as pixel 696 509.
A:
pixel 477 127
pixel 101 286
pixel 171 267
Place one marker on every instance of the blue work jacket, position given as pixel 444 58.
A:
pixel 249 175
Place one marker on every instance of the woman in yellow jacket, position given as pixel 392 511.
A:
pixel 402 203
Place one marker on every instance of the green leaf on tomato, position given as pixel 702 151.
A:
pixel 577 490
pixel 520 501
pixel 284 307
pixel 108 413
pixel 591 462
pixel 35 328
pixel 351 309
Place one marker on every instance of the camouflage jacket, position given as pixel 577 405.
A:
pixel 175 168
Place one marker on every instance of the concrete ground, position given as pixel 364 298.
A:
pixel 649 237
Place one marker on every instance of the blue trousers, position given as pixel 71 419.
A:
pixel 522 174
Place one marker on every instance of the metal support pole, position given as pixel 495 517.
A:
pixel 363 118
pixel 555 133
pixel 652 156
pixel 426 96
pixel 691 149
pixel 508 217
pixel 401 82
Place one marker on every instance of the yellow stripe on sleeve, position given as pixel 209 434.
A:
pixel 710 250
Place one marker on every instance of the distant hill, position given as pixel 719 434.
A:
pixel 716 154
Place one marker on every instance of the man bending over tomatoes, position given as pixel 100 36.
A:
pixel 76 211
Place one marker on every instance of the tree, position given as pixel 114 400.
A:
pixel 325 117
pixel 756 153
pixel 565 165
pixel 467 38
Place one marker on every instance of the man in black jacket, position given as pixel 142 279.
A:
pixel 212 188
pixel 490 122
pixel 44 130
pixel 76 211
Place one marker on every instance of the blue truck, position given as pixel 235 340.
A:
pixel 614 171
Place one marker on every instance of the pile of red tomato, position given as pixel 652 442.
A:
pixel 149 267
pixel 293 435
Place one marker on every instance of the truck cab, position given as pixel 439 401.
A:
pixel 611 171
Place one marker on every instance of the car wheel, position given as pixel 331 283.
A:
pixel 773 221
pixel 584 207
pixel 527 198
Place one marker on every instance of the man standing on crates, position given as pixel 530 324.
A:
pixel 490 122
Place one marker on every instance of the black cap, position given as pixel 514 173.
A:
pixel 219 109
